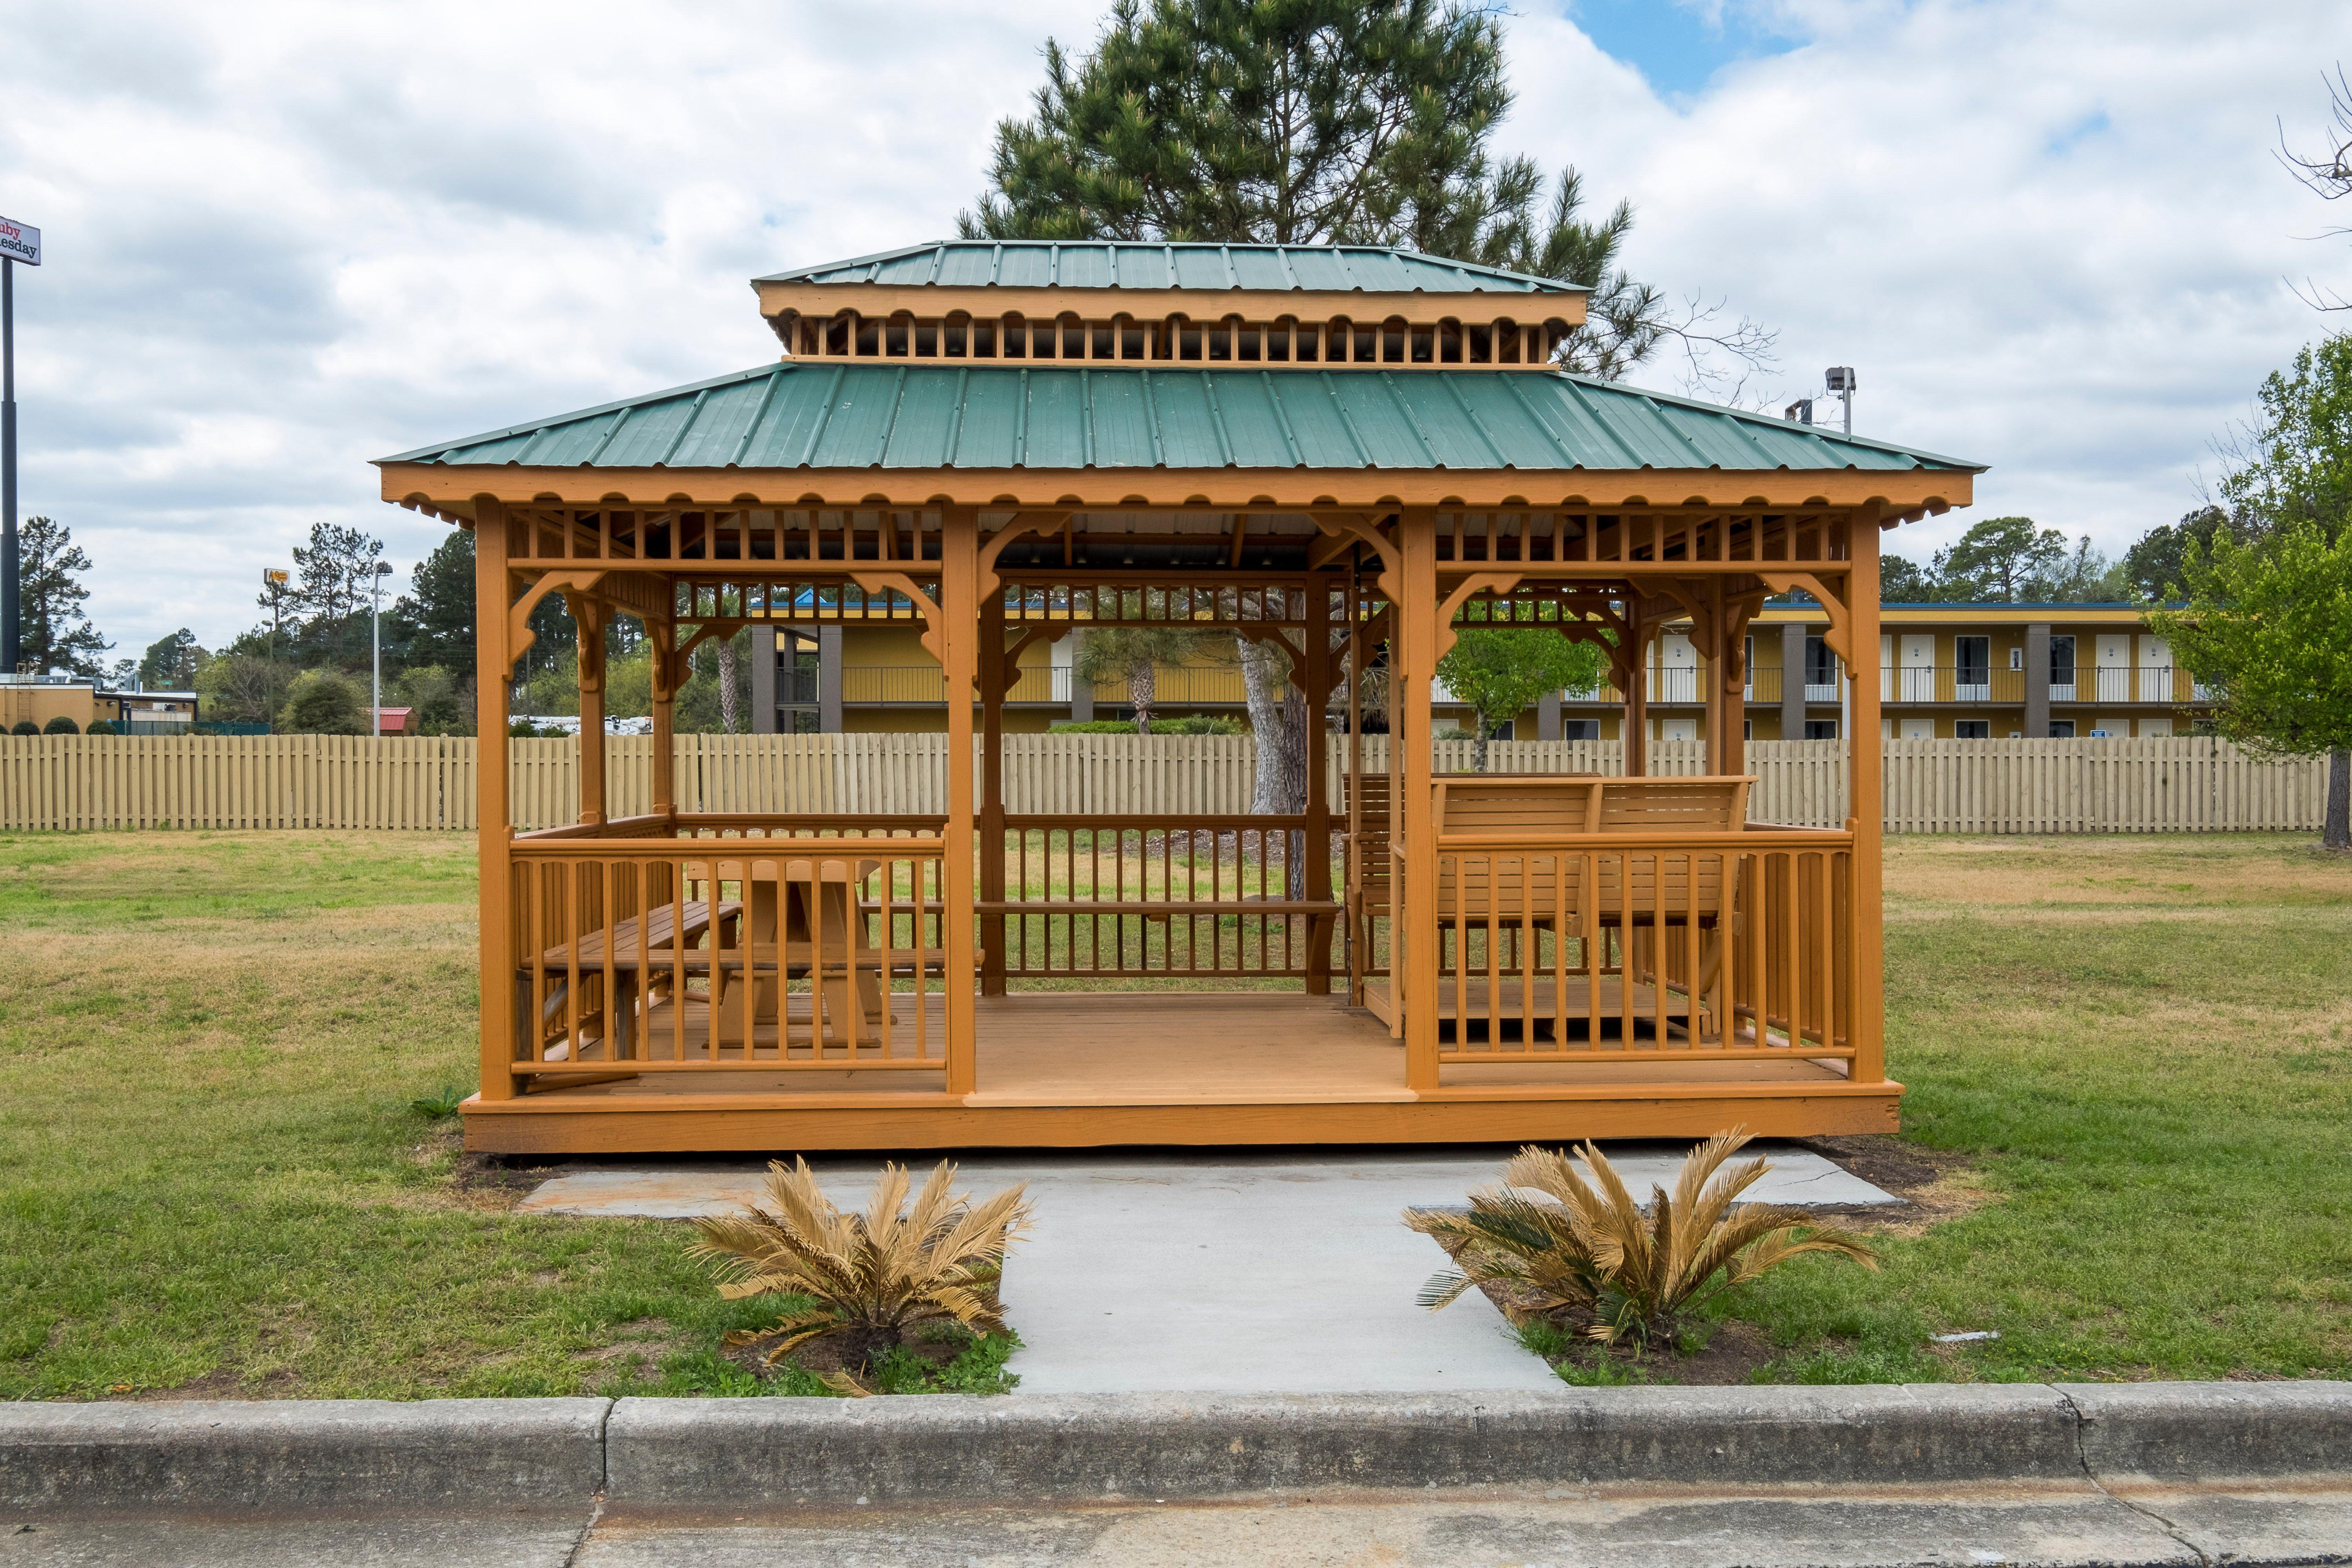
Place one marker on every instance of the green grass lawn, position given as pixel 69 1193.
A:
pixel 212 1180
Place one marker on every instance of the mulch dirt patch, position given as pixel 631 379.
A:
pixel 824 1355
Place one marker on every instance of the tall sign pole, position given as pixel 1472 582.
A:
pixel 18 242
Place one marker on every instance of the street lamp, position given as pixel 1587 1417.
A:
pixel 375 646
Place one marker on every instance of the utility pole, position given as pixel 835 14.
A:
pixel 18 242
pixel 381 570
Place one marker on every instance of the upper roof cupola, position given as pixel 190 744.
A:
pixel 1143 304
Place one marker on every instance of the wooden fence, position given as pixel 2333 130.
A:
pixel 80 782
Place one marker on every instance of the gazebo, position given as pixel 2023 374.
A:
pixel 1347 452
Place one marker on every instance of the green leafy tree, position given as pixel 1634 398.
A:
pixel 242 688
pixel 2269 626
pixel 442 705
pixel 2155 567
pixel 2295 464
pixel 171 662
pixel 321 702
pixel 1500 671
pixel 53 633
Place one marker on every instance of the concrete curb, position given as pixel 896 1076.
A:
pixel 691 1454
pixel 328 1455
pixel 230 1456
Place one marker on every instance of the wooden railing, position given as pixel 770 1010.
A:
pixel 1616 947
pixel 769 943
pixel 1166 897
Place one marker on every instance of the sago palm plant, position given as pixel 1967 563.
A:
pixel 1593 1259
pixel 877 1277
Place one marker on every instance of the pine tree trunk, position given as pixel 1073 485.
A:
pixel 728 713
pixel 1279 780
pixel 2337 833
pixel 1143 687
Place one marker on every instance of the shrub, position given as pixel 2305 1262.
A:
pixel 24 727
pixel 876 1277
pixel 98 727
pixel 60 725
pixel 321 702
pixel 1187 724
pixel 1591 1259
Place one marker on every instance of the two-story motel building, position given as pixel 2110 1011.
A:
pixel 1981 671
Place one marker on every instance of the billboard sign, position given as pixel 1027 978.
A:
pixel 20 242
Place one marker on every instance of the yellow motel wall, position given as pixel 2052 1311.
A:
pixel 42 703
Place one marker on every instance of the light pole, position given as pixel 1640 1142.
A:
pixel 1839 378
pixel 375 646
pixel 18 242
pixel 274 579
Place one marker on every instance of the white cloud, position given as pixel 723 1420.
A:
pixel 2050 238
pixel 287 238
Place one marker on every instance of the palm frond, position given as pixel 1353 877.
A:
pixel 874 1275
pixel 1622 1271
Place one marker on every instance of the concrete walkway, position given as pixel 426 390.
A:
pixel 1218 1272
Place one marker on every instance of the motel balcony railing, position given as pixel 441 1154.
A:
pixel 1975 684
pixel 923 685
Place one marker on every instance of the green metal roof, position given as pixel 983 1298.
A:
pixel 1130 264
pixel 844 416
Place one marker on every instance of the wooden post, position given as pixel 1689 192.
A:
pixel 1358 937
pixel 1865 757
pixel 1314 680
pixel 1637 692
pixel 493 667
pixel 663 635
pixel 588 616
pixel 1413 960
pixel 993 680
pixel 959 647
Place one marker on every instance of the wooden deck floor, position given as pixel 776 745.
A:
pixel 1084 1069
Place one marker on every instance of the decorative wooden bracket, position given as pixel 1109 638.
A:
pixel 1705 633
pixel 1839 636
pixel 1022 525
pixel 1358 527
pixel 520 636
pixel 588 615
pixel 900 583
pixel 1476 583
pixel 662 668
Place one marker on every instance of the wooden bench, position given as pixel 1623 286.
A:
pixel 626 948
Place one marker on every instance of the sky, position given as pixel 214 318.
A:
pixel 2050 236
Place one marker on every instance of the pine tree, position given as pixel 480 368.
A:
pixel 1311 122
pixel 53 633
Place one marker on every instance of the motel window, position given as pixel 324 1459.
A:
pixel 1821 729
pixel 2061 662
pixel 1821 664
pixel 1972 661
pixel 2062 729
pixel 1972 730
pixel 1580 728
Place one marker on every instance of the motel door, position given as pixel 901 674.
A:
pixel 1677 678
pixel 2155 673
pixel 2113 654
pixel 1918 666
